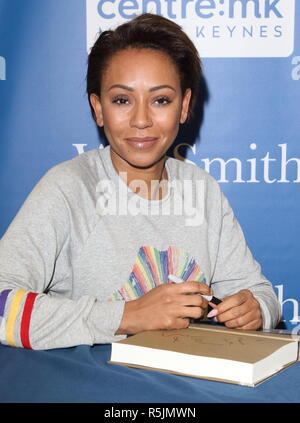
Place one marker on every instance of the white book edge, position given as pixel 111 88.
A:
pixel 205 367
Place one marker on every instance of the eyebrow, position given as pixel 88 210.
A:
pixel 125 87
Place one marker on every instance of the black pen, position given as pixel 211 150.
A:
pixel 209 298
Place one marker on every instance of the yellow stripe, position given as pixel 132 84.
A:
pixel 14 308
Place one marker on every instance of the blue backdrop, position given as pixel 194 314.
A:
pixel 249 135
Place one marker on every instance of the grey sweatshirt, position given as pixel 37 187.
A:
pixel 83 243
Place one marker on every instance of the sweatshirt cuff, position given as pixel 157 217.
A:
pixel 104 320
pixel 266 316
pixel 270 312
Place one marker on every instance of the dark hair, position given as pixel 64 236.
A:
pixel 146 31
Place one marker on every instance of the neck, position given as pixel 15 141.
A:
pixel 145 182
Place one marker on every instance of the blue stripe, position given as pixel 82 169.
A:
pixel 3 298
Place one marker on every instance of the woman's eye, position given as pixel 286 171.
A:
pixel 162 101
pixel 120 100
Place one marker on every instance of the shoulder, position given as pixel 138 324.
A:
pixel 63 188
pixel 182 170
pixel 76 178
pixel 204 187
pixel 68 183
pixel 84 167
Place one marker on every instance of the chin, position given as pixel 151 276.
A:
pixel 143 160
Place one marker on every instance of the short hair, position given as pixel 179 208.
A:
pixel 146 31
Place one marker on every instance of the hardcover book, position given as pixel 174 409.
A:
pixel 210 352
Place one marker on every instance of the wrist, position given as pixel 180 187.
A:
pixel 127 322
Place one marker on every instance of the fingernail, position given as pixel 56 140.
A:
pixel 212 313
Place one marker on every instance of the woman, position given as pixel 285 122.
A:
pixel 88 257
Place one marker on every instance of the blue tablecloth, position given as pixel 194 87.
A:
pixel 81 374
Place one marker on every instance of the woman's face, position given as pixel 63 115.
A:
pixel 140 107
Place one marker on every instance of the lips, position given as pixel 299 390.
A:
pixel 141 143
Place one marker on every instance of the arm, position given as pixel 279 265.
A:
pixel 249 298
pixel 35 270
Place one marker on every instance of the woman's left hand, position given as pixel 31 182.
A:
pixel 238 311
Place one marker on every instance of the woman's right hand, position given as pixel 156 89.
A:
pixel 165 307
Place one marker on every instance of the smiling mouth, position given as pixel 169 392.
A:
pixel 141 143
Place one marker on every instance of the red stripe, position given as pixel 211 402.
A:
pixel 26 319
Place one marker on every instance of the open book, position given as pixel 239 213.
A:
pixel 209 352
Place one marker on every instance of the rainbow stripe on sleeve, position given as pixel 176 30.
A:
pixel 10 311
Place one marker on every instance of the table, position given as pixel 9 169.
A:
pixel 81 374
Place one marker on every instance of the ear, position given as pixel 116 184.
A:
pixel 185 105
pixel 95 101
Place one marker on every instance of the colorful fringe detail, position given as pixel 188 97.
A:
pixel 152 268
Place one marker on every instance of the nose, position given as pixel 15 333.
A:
pixel 140 117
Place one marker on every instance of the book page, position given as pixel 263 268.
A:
pixel 238 347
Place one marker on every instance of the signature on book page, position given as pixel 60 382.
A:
pixel 202 339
